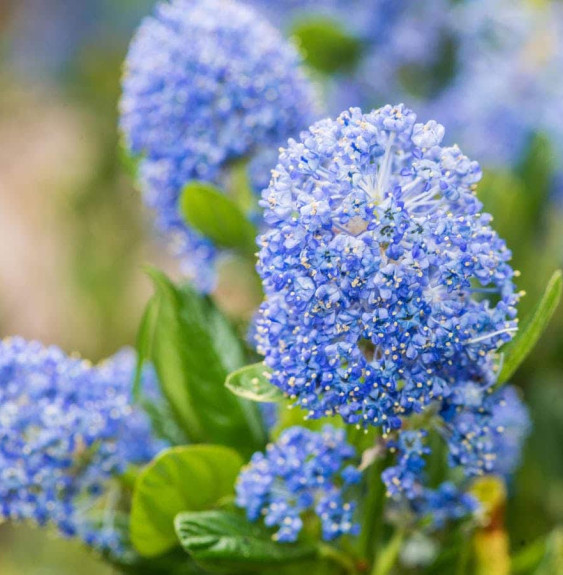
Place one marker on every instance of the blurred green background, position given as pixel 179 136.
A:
pixel 74 238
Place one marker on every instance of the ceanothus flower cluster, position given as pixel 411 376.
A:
pixel 67 428
pixel 486 428
pixel 207 83
pixel 383 279
pixel 509 80
pixel 406 484
pixel 304 470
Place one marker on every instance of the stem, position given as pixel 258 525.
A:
pixel 464 555
pixel 371 534
pixel 338 557
pixel 388 557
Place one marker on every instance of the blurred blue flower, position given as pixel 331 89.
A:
pixel 509 85
pixel 377 268
pixel 486 429
pixel 207 83
pixel 48 39
pixel 406 484
pixel 67 428
pixel 303 471
pixel 495 62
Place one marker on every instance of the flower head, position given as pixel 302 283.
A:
pixel 207 82
pixel 487 429
pixel 407 487
pixel 66 428
pixel 377 267
pixel 302 471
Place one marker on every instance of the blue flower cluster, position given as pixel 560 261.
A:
pixel 67 428
pixel 485 428
pixel 512 53
pixel 394 36
pixel 207 83
pixel 497 62
pixel 302 471
pixel 383 279
pixel 405 483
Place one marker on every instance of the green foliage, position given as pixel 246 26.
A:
pixel 129 163
pixel 326 46
pixel 518 349
pixel 217 217
pixel 291 414
pixel 252 382
pixel 193 477
pixel 193 349
pixel 226 541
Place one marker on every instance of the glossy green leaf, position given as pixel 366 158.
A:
pixel 518 349
pixel 193 477
pixel 217 217
pixel 160 413
pixel 326 46
pixel 252 382
pixel 193 350
pixel 221 540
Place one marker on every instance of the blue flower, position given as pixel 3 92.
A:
pixel 487 429
pixel 67 428
pixel 207 83
pixel 407 487
pixel 303 471
pixel 378 266
pixel 508 82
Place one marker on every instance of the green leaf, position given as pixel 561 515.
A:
pixel 193 477
pixel 518 349
pixel 252 382
pixel 217 217
pixel 193 350
pixel 291 414
pixel 160 413
pixel 221 540
pixel 129 162
pixel 552 562
pixel 326 46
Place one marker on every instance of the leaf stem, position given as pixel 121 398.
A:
pixel 338 557
pixel 388 557
pixel 372 527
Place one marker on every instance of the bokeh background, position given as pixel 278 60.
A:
pixel 74 238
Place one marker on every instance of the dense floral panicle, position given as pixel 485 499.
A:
pixel 486 429
pixel 377 266
pixel 406 484
pixel 303 471
pixel 206 82
pixel 65 429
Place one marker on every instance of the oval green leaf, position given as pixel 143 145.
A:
pixel 327 47
pixel 253 382
pixel 519 348
pixel 221 540
pixel 193 349
pixel 217 217
pixel 189 478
